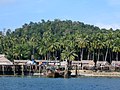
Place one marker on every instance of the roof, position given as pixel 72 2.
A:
pixel 115 63
pixel 84 62
pixel 24 61
pixel 5 61
pixel 102 63
pixel 20 61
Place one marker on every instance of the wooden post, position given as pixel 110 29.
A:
pixel 66 70
pixel 76 70
pixel 22 70
pixel 39 70
pixel 3 69
pixel 81 66
pixel 30 71
pixel 14 69
pixel 35 68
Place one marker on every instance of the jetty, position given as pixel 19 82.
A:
pixel 32 70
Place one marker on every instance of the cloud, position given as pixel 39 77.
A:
pixel 108 26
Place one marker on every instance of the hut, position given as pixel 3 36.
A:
pixel 76 62
pixel 87 64
pixel 4 60
pixel 84 64
pixel 103 66
pixel 102 63
pixel 115 63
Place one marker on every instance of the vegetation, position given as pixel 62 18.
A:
pixel 61 40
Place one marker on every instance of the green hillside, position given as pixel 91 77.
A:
pixel 71 40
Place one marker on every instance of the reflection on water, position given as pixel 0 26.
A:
pixel 37 83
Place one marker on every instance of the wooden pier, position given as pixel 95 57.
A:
pixel 41 70
pixel 21 69
pixel 30 70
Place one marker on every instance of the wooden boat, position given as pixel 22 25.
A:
pixel 67 74
pixel 53 74
pixel 57 74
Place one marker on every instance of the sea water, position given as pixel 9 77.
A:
pixel 38 83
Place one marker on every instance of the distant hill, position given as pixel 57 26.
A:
pixel 61 40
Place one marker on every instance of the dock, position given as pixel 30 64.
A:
pixel 21 69
pixel 38 70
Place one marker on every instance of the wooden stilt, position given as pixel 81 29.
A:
pixel 39 70
pixel 22 70
pixel 14 69
pixel 30 71
pixel 3 69
pixel 66 72
pixel 76 68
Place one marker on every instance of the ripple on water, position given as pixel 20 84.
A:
pixel 37 83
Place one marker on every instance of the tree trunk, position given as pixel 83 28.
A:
pixel 98 55
pixel 93 56
pixel 110 56
pixel 117 56
pixel 106 54
pixel 103 57
pixel 45 56
pixel 82 54
pixel 88 57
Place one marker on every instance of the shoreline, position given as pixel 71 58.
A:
pixel 90 73
pixel 80 73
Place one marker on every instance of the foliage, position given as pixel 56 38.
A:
pixel 61 40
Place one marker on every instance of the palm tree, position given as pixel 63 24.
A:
pixel 81 43
pixel 68 48
pixel 108 44
pixel 99 44
pixel 116 47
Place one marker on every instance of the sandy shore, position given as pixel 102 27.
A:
pixel 96 74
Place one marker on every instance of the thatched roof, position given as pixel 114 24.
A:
pixel 84 62
pixel 20 62
pixel 102 63
pixel 4 61
pixel 115 63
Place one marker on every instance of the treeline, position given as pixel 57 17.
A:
pixel 61 40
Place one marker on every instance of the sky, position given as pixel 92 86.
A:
pixel 101 13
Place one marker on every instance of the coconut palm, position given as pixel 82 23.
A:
pixel 108 44
pixel 68 48
pixel 116 47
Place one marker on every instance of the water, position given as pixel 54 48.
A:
pixel 37 83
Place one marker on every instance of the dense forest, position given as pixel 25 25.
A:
pixel 61 40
